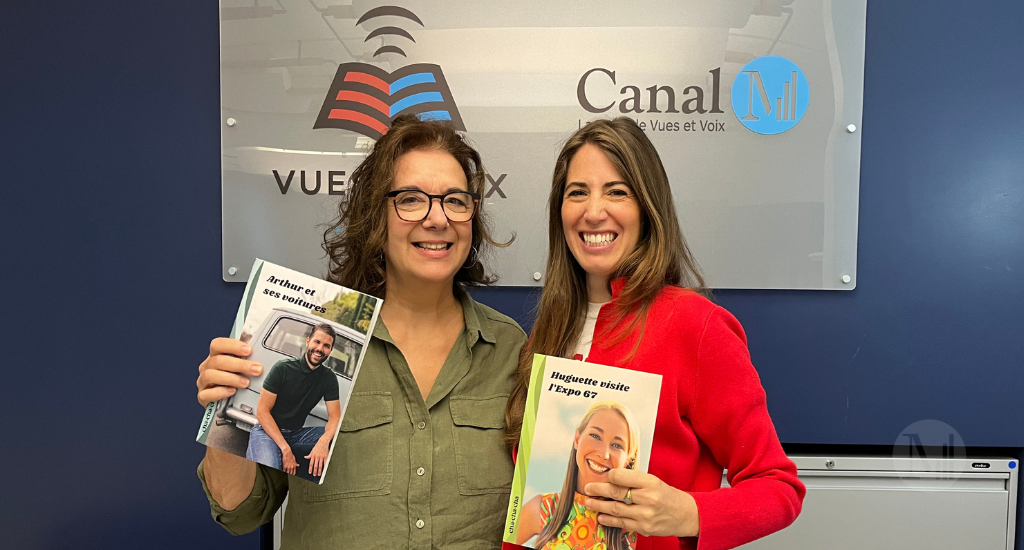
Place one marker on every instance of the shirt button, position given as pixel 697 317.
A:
pixel 420 471
pixel 419 524
pixel 421 425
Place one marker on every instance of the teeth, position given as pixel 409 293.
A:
pixel 595 467
pixel 431 246
pixel 598 239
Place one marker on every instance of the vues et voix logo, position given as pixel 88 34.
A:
pixel 769 95
pixel 365 98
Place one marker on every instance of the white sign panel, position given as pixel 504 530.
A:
pixel 755 107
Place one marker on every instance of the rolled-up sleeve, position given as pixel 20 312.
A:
pixel 268 492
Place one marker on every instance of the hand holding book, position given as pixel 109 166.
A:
pixel 311 335
pixel 654 508
pixel 225 370
pixel 602 418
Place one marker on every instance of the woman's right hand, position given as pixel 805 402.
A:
pixel 225 370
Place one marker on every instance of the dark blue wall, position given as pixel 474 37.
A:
pixel 109 159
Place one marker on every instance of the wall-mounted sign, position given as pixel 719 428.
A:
pixel 754 105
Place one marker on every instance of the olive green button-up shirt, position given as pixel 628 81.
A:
pixel 406 473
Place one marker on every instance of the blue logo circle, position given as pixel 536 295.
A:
pixel 770 95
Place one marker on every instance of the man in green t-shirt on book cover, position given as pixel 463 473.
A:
pixel 290 391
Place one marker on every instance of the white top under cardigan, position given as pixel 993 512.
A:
pixel 582 349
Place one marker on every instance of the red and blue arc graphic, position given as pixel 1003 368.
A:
pixel 365 99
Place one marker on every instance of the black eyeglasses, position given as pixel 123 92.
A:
pixel 414 206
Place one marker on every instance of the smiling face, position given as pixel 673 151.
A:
pixel 318 347
pixel 600 216
pixel 602 445
pixel 432 250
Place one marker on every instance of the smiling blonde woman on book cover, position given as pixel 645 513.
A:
pixel 605 438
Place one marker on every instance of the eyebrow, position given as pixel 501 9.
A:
pixel 598 428
pixel 417 188
pixel 606 185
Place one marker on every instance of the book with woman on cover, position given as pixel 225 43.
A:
pixel 310 336
pixel 581 420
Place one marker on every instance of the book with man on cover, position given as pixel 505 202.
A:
pixel 580 421
pixel 310 337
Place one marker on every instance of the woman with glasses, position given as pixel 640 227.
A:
pixel 622 289
pixel 420 459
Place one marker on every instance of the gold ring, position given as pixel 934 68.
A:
pixel 628 499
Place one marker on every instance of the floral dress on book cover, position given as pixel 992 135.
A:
pixel 581 530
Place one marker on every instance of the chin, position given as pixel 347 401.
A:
pixel 599 270
pixel 436 276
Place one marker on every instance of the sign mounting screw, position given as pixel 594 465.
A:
pixel 536 276
pixel 232 270
pixel 851 128
pixel 231 121
pixel 846 279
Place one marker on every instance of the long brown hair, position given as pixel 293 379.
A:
pixel 355 241
pixel 613 535
pixel 661 257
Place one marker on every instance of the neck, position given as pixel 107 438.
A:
pixel 422 302
pixel 599 288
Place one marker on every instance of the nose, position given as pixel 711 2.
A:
pixel 595 212
pixel 436 217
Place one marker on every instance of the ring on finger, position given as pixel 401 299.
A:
pixel 629 495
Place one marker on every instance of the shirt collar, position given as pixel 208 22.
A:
pixel 617 286
pixel 380 331
pixel 478 326
pixel 299 364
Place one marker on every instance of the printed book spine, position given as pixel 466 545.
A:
pixel 515 500
pixel 236 331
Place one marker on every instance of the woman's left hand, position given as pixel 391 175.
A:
pixel 658 509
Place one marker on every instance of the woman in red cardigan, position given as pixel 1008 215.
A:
pixel 623 289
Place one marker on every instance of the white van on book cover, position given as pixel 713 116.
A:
pixel 310 336
pixel 581 420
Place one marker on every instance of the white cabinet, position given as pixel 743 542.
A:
pixel 857 503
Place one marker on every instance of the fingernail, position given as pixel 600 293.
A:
pixel 246 350
pixel 245 382
pixel 257 368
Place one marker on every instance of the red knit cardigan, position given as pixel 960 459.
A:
pixel 712 414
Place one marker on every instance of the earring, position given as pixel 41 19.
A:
pixel 473 254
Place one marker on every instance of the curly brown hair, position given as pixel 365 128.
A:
pixel 355 240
